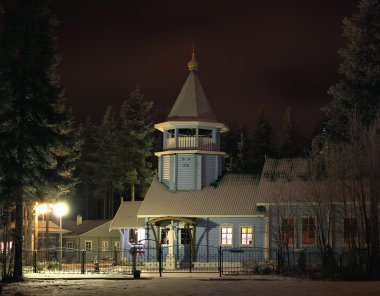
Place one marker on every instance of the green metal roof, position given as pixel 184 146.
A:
pixel 192 103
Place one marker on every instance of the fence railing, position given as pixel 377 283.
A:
pixel 203 259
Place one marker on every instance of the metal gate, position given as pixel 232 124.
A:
pixel 182 259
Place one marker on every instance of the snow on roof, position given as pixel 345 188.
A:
pixel 192 103
pixel 126 216
pixel 233 196
pixel 86 226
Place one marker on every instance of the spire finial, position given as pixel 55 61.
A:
pixel 193 64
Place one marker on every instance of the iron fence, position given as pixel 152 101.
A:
pixel 208 259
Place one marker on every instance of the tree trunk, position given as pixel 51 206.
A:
pixel 18 239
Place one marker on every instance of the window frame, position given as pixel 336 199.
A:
pixel 308 231
pixel 103 245
pixel 345 236
pixel 181 229
pixel 252 244
pixel 164 242
pixel 283 232
pixel 85 245
pixel 226 226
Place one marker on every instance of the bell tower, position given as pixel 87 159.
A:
pixel 191 158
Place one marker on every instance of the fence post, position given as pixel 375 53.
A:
pixel 220 261
pixel 134 259
pixel 115 256
pixel 160 260
pixel 190 259
pixel 35 261
pixel 83 261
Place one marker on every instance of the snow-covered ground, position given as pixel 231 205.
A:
pixel 188 285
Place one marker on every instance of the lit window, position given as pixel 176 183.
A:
pixel 287 229
pixel 308 231
pixel 88 245
pixel 350 231
pixel 246 238
pixel 226 235
pixel 104 245
pixel 117 245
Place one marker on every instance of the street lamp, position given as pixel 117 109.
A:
pixel 60 209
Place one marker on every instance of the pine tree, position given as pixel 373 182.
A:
pixel 261 141
pixel 136 142
pixel 290 140
pixel 37 140
pixel 357 94
pixel 105 155
pixel 86 166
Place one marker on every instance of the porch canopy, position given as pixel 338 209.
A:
pixel 164 221
pixel 126 216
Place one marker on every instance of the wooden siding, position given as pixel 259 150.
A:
pixel 186 172
pixel 208 230
pixel 166 169
pixel 209 169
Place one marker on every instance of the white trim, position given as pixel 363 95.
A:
pixel 201 216
pixel 177 124
pixel 191 151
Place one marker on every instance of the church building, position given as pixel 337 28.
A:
pixel 189 195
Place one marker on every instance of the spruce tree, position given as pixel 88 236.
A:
pixel 136 142
pixel 36 135
pixel 358 93
pixel 290 139
pixel 86 166
pixel 105 165
pixel 261 141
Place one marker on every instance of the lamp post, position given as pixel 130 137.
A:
pixel 60 209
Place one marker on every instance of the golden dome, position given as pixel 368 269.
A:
pixel 193 64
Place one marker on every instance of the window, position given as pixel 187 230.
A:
pixel 104 245
pixel 185 236
pixel 170 133
pixel 136 236
pixel 69 245
pixel 226 235
pixel 287 230
pixel 117 246
pixel 308 231
pixel 246 236
pixel 132 236
pixel 164 236
pixel 88 245
pixel 350 231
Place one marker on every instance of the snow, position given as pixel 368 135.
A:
pixel 184 284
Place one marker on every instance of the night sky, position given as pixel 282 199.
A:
pixel 275 54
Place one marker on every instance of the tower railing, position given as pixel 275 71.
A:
pixel 201 143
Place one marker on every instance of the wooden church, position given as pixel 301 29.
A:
pixel 192 208
pixel 189 194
